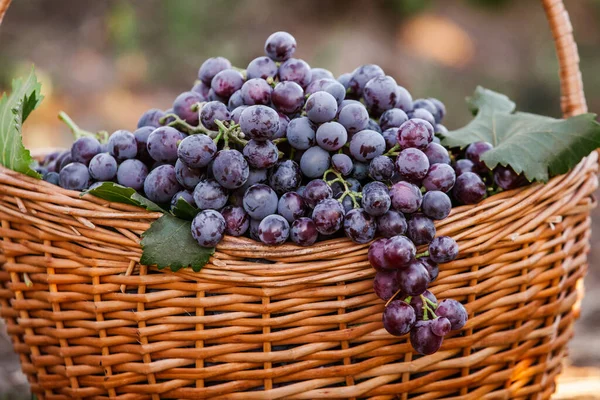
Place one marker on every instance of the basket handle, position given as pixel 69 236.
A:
pixel 571 86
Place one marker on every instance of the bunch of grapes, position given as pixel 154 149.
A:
pixel 282 151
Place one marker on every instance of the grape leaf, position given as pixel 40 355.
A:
pixel 120 194
pixel 184 210
pixel 169 244
pixel 537 146
pixel 14 110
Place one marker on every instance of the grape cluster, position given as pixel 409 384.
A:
pixel 282 151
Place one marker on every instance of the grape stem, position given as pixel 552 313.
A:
pixel 393 297
pixel 423 254
pixel 347 192
pixel 179 123
pixel 393 151
pixel 428 308
pixel 228 134
pixel 102 136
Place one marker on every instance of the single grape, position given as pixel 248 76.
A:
pixel 314 162
pixel 261 67
pixel 288 97
pixel 184 106
pixel 141 137
pixel 330 86
pixel 414 279
pixel 285 176
pixel 259 122
pixel 161 184
pixel 393 118
pixel 254 223
pixel 237 221
pixel 208 194
pixel 454 311
pixel 440 177
pixel 469 188
pixel 236 100
pixel 235 114
pixel 328 216
pixel 436 205
pixel 259 201
pixel 151 118
pixel 354 117
pixel 360 171
pixel 416 303
pixel 381 168
pixel 398 318
pixel 344 79
pixel 359 226
pixel 208 228
pixel 392 223
pixel 390 136
pixel 256 91
pixel 342 163
pixel 385 284
pixel 399 251
pixel 321 73
pixel 261 154
pixel 122 145
pixel 162 144
pixel 366 145
pixel 230 169
pixel 295 70
pixel 415 133
pixel 291 206
pixel 506 178
pixel 441 326
pixel 423 114
pixel 331 136
pixel 212 96
pixel 74 176
pixel 431 267
pixel 186 176
pixel 315 191
pixel 475 151
pixel 412 164
pixel 212 67
pixel 301 133
pixel 360 77
pixel 421 229
pixel 52 177
pixel 321 107
pixel 132 173
pixel 440 109
pixel 284 120
pixel 196 151
pixel 202 89
pixel 423 340
pixel 406 197
pixel 426 105
pixel 404 100
pixel 463 165
pixel 255 176
pixel 226 82
pixel 103 167
pixel 273 230
pixel 380 94
pixel 443 249
pixel 441 129
pixel 437 154
pixel 304 232
pixel 211 111
pixel 280 46
pixel 376 199
pixel 376 255
pixel 374 126
pixel 63 160
pixel 186 195
pixel 84 149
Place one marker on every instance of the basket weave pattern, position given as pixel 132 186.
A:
pixel 90 322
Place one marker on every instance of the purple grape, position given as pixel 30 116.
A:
pixel 414 279
pixel 398 252
pixel 103 167
pixel 208 228
pixel 426 105
pixel 208 194
pixel 161 184
pixel 440 177
pixel 415 133
pixel 186 196
pixel 404 100
pixel 359 226
pixel 443 249
pixel 463 165
pixel 259 201
pixel 212 111
pixel 381 168
pixel 132 173
pixel 366 145
pixel 314 162
pixel 421 113
pixel 63 160
pixel 196 151
pixel 431 267
pixel 342 163
pixel 162 144
pixel 344 79
pixel 380 94
pixel 331 136
pixel 440 109
pixel 288 97
pixel 304 232
pixel 454 311
pixel 376 255
pixel 295 70
pixel 441 326
pixel 469 188
pixel 437 154
pixel 315 191
pixel 84 149
pixel 506 178
pixel 390 136
pixel 74 176
pixel 151 118
pixel 475 151
pixel 354 117
pixel 237 221
pixel 186 176
pixel 421 229
pixel 235 114
pixel 321 107
pixel 273 230
pixel 321 73
pixel 254 223
pixel 212 67
pixel 423 340
pixel 398 318
pixel 392 223
pixel 393 118
pixel 261 154
pixel 374 126
pixel 436 205
pixel 141 137
pixel 385 284
pixel 230 169
pixel 291 206
pixel 259 122
pixel 328 216
pixel 441 129
pixel 283 124
pixel 285 177
pixel 416 303
pixel 406 197
pixel 212 96
pixel 375 198
pixel 261 67
pixel 360 171
pixel 202 89
pixel 227 82
pixel 255 176
pixel 330 86
pixel 236 100
pixel 301 133
pixel 360 77
pixel 412 164
pixel 184 104
pixel 280 46
pixel 122 145
pixel 256 91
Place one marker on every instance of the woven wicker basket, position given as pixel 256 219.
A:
pixel 90 322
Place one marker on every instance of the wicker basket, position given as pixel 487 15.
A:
pixel 90 322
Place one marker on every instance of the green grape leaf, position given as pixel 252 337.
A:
pixel 169 244
pixel 120 194
pixel 184 210
pixel 537 146
pixel 14 110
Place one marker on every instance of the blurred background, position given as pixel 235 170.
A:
pixel 106 62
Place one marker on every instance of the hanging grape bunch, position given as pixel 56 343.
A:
pixel 282 151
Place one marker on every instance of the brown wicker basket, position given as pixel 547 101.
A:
pixel 90 322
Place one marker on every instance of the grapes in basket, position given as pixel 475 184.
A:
pixel 282 152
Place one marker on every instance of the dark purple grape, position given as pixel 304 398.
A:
pixel 415 133
pixel 374 126
pixel 392 223
pixel 259 122
pixel 314 162
pixel 161 184
pixel 259 201
pixel 342 163
pixel 393 118
pixel 321 73
pixel 208 228
pixel 230 169
pixel 141 137
pixel 463 165
pixel 186 196
pixel 285 177
pixel 454 311
pixel 443 249
pixel 212 67
pixel 202 89
pixel 406 197
pixel 436 205
pixel 261 67
pixel 237 221
pixel 440 109
pixel 354 117
pixel 421 113
pixel 431 267
pixel 184 106
pixel 151 118
pixel 301 133
pixel 359 226
pixel 331 136
pixel 211 111
pixel 441 326
pixel 227 82
pixel 380 94
pixel 208 194
pixel 381 168
pixel 412 164
pixel 330 86
pixel 84 149
pixel 398 318
pixel 344 79
pixel 385 284
pixel 162 144
pixel 321 107
pixel 273 230
pixel 295 70
pixel 414 279
pixel 360 77
pixel 376 199
pixel 103 167
pixel 132 173
pixel 63 160
pixel 186 176
pixel 398 252
pixel 328 216
pixel 366 145
pixel 376 254
pixel 506 178
pixel 360 171
pixel 315 191
pixel 74 176
pixel 416 303
pixel 236 100
pixel 291 206
pixel 391 137
pixel 253 231
pixel 256 91
pixel 212 96
pixel 437 154
pixel 122 145
pixel 288 97
pixel 284 121
pixel 474 152
pixel 304 232
pixel 235 114
pixel 280 46
pixel 261 154
pixel 426 105
pixel 440 177
pixel 469 188
pixel 421 229
pixel 347 203
pixel 423 340
pixel 404 100
pixel 196 151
